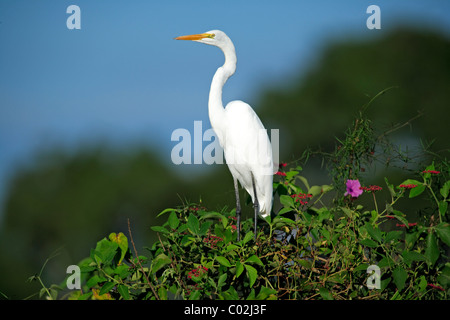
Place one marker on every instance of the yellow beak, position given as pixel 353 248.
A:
pixel 196 36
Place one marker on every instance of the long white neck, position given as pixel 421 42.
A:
pixel 215 106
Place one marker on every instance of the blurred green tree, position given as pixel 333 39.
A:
pixel 314 108
pixel 70 200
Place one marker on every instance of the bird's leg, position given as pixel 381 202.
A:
pixel 255 204
pixel 238 209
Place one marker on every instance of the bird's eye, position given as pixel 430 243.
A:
pixel 211 35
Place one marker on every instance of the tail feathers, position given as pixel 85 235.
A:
pixel 265 205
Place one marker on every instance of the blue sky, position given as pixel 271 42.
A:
pixel 122 79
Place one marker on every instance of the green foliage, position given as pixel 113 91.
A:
pixel 312 107
pixel 311 248
pixel 307 251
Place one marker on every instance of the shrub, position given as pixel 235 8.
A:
pixel 307 251
pixel 311 249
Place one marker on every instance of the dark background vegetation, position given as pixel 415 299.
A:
pixel 68 201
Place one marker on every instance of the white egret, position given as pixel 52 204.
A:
pixel 241 134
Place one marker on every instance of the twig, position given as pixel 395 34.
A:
pixel 399 126
pixel 172 261
pixel 139 262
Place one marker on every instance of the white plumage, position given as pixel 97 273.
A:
pixel 241 134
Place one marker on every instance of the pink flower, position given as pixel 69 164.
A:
pixel 197 272
pixel 371 188
pixel 404 226
pixel 302 197
pixel 353 188
pixel 435 287
pixel 408 186
pixel 431 171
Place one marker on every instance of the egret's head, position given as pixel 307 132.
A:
pixel 214 37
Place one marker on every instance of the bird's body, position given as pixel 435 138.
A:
pixel 246 151
pixel 241 134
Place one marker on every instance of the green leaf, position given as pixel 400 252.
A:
pixel 287 201
pixel 160 261
pixel 166 211
pixel 107 287
pixel 223 261
pixel 368 243
pixel 432 250
pixel 422 283
pixel 386 262
pixel 105 251
pixel 390 188
pixel 252 274
pixel 266 294
pixel 326 188
pixel 305 263
pixel 159 229
pixel 173 220
pixel 325 293
pixel 417 191
pixel 230 248
pixel 221 281
pixel 411 256
pixel 193 224
pixel 444 277
pixel 400 216
pixel 326 233
pixel 254 259
pixel 400 276
pixel 375 233
pixel 122 241
pixel 283 211
pixel 213 214
pixel 411 181
pixel 239 268
pixel 443 206
pixel 445 189
pixel 122 271
pixel 315 190
pixel 361 267
pixel 414 192
pixel 195 295
pixel 291 174
pixel 443 232
pixel 248 236
pixel 162 293
pixel 86 296
pixel 350 213
pixel 393 235
pixel 411 238
pixel 251 296
pixel 204 228
pixel 124 293
pixel 95 280
pixel 231 294
pixel 227 235
pixel 280 221
pixel 427 175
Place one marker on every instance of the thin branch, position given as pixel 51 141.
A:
pixel 139 262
